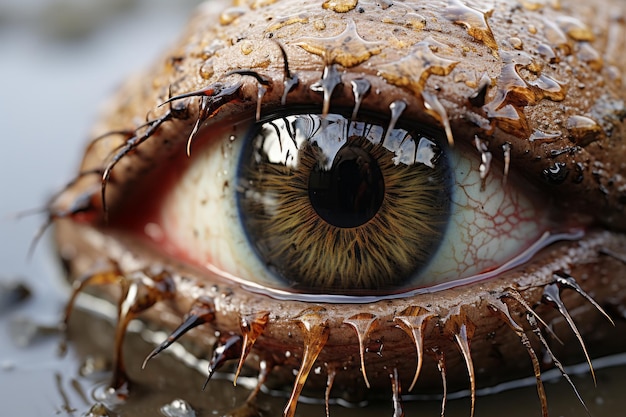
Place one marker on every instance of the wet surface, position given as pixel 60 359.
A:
pixel 56 76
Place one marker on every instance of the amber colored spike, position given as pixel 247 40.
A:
pixel 537 331
pixel 568 281
pixel 462 329
pixel 502 310
pixel 514 294
pixel 396 391
pixel 138 294
pixel 97 278
pixel 202 311
pixel 363 324
pixel 332 373
pixel 265 368
pixel 315 334
pixel 441 365
pixel 252 326
pixel 414 324
pixel 552 296
pixel 226 348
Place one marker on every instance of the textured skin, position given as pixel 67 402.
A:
pixel 413 52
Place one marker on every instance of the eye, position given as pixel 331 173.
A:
pixel 285 203
pixel 512 151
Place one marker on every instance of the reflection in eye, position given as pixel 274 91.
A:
pixel 405 211
pixel 329 205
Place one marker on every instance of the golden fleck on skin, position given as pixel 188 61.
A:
pixel 506 95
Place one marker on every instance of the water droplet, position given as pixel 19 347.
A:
pixel 413 70
pixel 556 38
pixel 516 43
pixel 575 29
pixel 246 47
pixel 207 70
pixel 590 55
pixel 556 174
pixel 474 21
pixel 178 408
pixel 547 52
pixel 231 14
pixel 340 6
pixel 485 159
pixel 583 130
pixel 286 21
pixel 363 324
pixel 360 87
pixel 539 135
pixel 347 49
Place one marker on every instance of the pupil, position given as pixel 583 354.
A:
pixel 351 192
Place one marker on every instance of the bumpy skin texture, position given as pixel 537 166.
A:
pixel 505 71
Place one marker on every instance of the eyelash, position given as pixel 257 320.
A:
pixel 455 325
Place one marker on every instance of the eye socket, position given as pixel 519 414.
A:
pixel 245 206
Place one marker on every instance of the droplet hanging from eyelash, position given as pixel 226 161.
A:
pixel 252 326
pixel 360 88
pixel 552 296
pixel 532 320
pixel 440 358
pixel 567 281
pixel 331 78
pixel 506 151
pixel 363 325
pixel 485 159
pixel 315 332
pixel 396 108
pixel 330 379
pixel 503 313
pixel 413 321
pixel 435 108
pixel 396 391
pixel 462 329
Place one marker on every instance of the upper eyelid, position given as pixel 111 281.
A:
pixel 534 157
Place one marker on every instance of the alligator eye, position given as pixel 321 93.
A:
pixel 315 204
pixel 376 197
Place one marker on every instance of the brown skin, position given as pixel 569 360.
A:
pixel 592 195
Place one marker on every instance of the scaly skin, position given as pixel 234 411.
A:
pixel 427 54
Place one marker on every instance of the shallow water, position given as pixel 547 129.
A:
pixel 56 73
